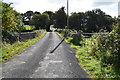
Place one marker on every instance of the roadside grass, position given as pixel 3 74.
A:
pixel 28 27
pixel 87 62
pixel 8 50
pixel 67 39
pixel 91 62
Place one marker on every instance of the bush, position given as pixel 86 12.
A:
pixel 107 49
pixel 8 37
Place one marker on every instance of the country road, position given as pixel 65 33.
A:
pixel 37 61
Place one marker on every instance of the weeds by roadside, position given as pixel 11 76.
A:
pixel 96 62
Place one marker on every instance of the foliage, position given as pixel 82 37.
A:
pixel 91 21
pixel 0 13
pixel 9 19
pixel 76 21
pixel 74 36
pixel 11 22
pixel 108 48
pixel 39 21
pixel 51 17
pixel 28 27
pixel 8 37
pixel 88 62
pixel 99 55
pixel 20 26
pixel 60 18
pixel 27 17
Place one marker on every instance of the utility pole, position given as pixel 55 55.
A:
pixel 68 14
pixel 65 30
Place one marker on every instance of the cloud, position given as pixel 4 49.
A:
pixel 119 8
pixel 16 2
pixel 108 6
pixel 105 0
pixel 80 5
pixel 57 1
pixel 103 3
pixel 34 5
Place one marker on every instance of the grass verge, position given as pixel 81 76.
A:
pixel 90 62
pixel 28 27
pixel 8 50
pixel 87 62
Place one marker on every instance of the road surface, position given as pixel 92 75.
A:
pixel 37 61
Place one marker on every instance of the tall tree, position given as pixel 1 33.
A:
pixel 19 26
pixel 60 18
pixel 51 16
pixel 40 21
pixel 76 21
pixel 0 13
pixel 91 21
pixel 97 19
pixel 9 19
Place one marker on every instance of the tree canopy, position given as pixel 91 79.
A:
pixel 27 17
pixel 60 18
pixel 39 20
pixel 76 21
pixel 51 17
pixel 91 21
pixel 9 19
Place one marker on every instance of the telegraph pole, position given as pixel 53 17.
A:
pixel 65 30
pixel 68 14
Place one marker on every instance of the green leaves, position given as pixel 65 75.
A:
pixel 60 18
pixel 8 16
pixel 108 50
pixel 91 21
pixel 39 20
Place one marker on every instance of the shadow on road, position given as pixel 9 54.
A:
pixel 57 46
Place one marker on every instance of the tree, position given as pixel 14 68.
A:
pixel 40 21
pixel 97 19
pixel 19 27
pixel 27 17
pixel 76 21
pixel 0 14
pixel 8 17
pixel 10 21
pixel 90 21
pixel 51 16
pixel 36 12
pixel 60 18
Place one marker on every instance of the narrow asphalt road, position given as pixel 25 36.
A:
pixel 38 62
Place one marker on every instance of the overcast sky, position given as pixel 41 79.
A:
pixel 108 6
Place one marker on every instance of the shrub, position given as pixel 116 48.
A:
pixel 107 49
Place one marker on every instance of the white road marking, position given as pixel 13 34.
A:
pixel 55 61
pixel 46 58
